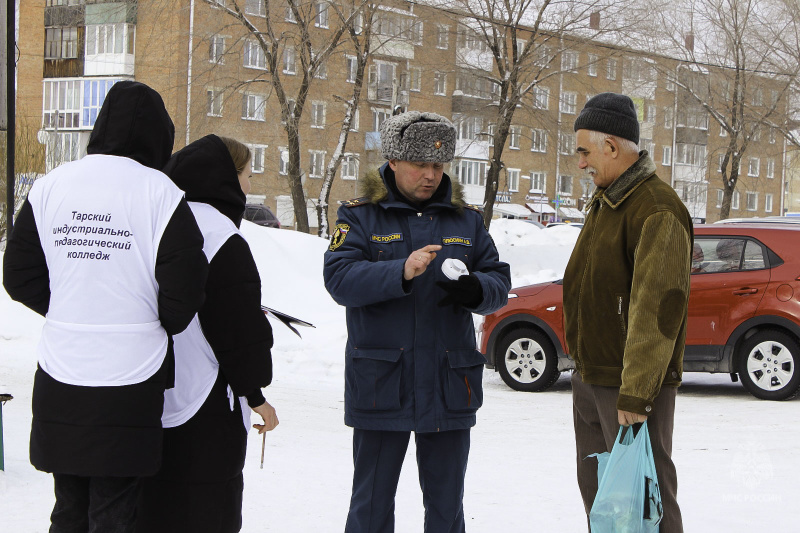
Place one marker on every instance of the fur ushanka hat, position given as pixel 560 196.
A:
pixel 415 136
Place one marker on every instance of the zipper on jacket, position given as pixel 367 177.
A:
pixel 622 325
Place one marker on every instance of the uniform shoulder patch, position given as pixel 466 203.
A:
pixel 338 236
pixel 356 202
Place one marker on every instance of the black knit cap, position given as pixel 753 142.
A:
pixel 610 113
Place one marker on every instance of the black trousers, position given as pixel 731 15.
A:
pixel 94 504
pixel 378 458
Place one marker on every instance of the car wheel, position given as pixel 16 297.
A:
pixel 526 360
pixel 768 365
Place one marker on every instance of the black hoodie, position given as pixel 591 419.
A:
pixel 231 317
pixel 133 123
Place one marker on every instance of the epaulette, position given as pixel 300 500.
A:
pixel 356 202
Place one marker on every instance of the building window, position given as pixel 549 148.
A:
pixel 439 83
pixel 669 116
pixel 321 18
pixel 350 167
pixel 253 106
pixel 317 114
pixel 61 43
pixel 351 67
pixel 541 97
pixel 490 131
pixel 650 113
pixel 66 148
pixel 470 172
pixel 94 94
pixel 770 168
pixel 690 154
pixel 214 99
pixel 379 116
pixel 768 203
pixel 566 143
pixel 753 166
pixel 289 60
pixel 735 200
pixel 758 97
pixel 415 31
pixel 542 56
pixel 254 56
pixel 720 197
pixel 611 69
pixel 649 146
pixel 322 68
pixel 442 36
pixel 289 15
pixel 719 163
pixel 290 110
pixel 257 157
pixel 538 140
pixel 255 7
pixel 569 102
pixel 513 137
pixel 538 180
pixel 565 185
pixel 569 61
pixel 317 166
pixel 415 78
pixel 110 39
pixel 356 118
pixel 752 201
pixel 283 161
pixel 216 49
pixel 62 104
pixel 669 83
pixel 666 156
pixel 591 67
pixel 513 179
pixel 467 128
pixel 693 117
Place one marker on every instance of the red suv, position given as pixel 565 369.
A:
pixel 744 315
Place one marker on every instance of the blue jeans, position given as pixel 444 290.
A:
pixel 94 504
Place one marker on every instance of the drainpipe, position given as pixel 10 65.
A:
pixel 189 74
pixel 783 177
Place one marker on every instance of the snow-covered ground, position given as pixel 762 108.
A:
pixel 735 454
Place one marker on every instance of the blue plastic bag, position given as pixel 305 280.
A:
pixel 628 499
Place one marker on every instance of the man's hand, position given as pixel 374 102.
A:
pixel 626 418
pixel 465 291
pixel 268 415
pixel 419 260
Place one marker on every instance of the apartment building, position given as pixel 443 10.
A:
pixel 215 78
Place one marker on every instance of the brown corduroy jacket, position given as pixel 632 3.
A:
pixel 626 288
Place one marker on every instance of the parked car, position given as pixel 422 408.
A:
pixel 261 215
pixel 744 315
pixel 573 224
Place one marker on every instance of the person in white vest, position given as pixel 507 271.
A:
pixel 223 358
pixel 107 249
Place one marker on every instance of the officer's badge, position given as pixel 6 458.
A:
pixel 339 235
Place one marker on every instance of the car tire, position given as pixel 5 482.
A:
pixel 767 365
pixel 526 360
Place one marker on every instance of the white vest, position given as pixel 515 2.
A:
pixel 100 221
pixel 196 366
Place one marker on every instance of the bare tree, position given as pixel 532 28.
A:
pixel 360 32
pixel 29 163
pixel 737 69
pixel 312 48
pixel 523 39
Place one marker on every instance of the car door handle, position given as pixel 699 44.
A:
pixel 744 291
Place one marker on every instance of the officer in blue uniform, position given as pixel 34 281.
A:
pixel 411 362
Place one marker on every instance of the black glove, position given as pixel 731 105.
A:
pixel 465 291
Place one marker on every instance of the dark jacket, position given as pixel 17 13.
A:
pixel 410 364
pixel 111 431
pixel 626 288
pixel 231 317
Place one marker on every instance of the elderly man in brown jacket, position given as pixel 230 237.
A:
pixel 626 290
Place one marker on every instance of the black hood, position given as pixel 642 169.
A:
pixel 206 173
pixel 133 123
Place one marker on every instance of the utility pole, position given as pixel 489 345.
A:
pixel 7 118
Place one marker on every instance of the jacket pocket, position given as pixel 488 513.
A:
pixel 374 379
pixel 464 388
